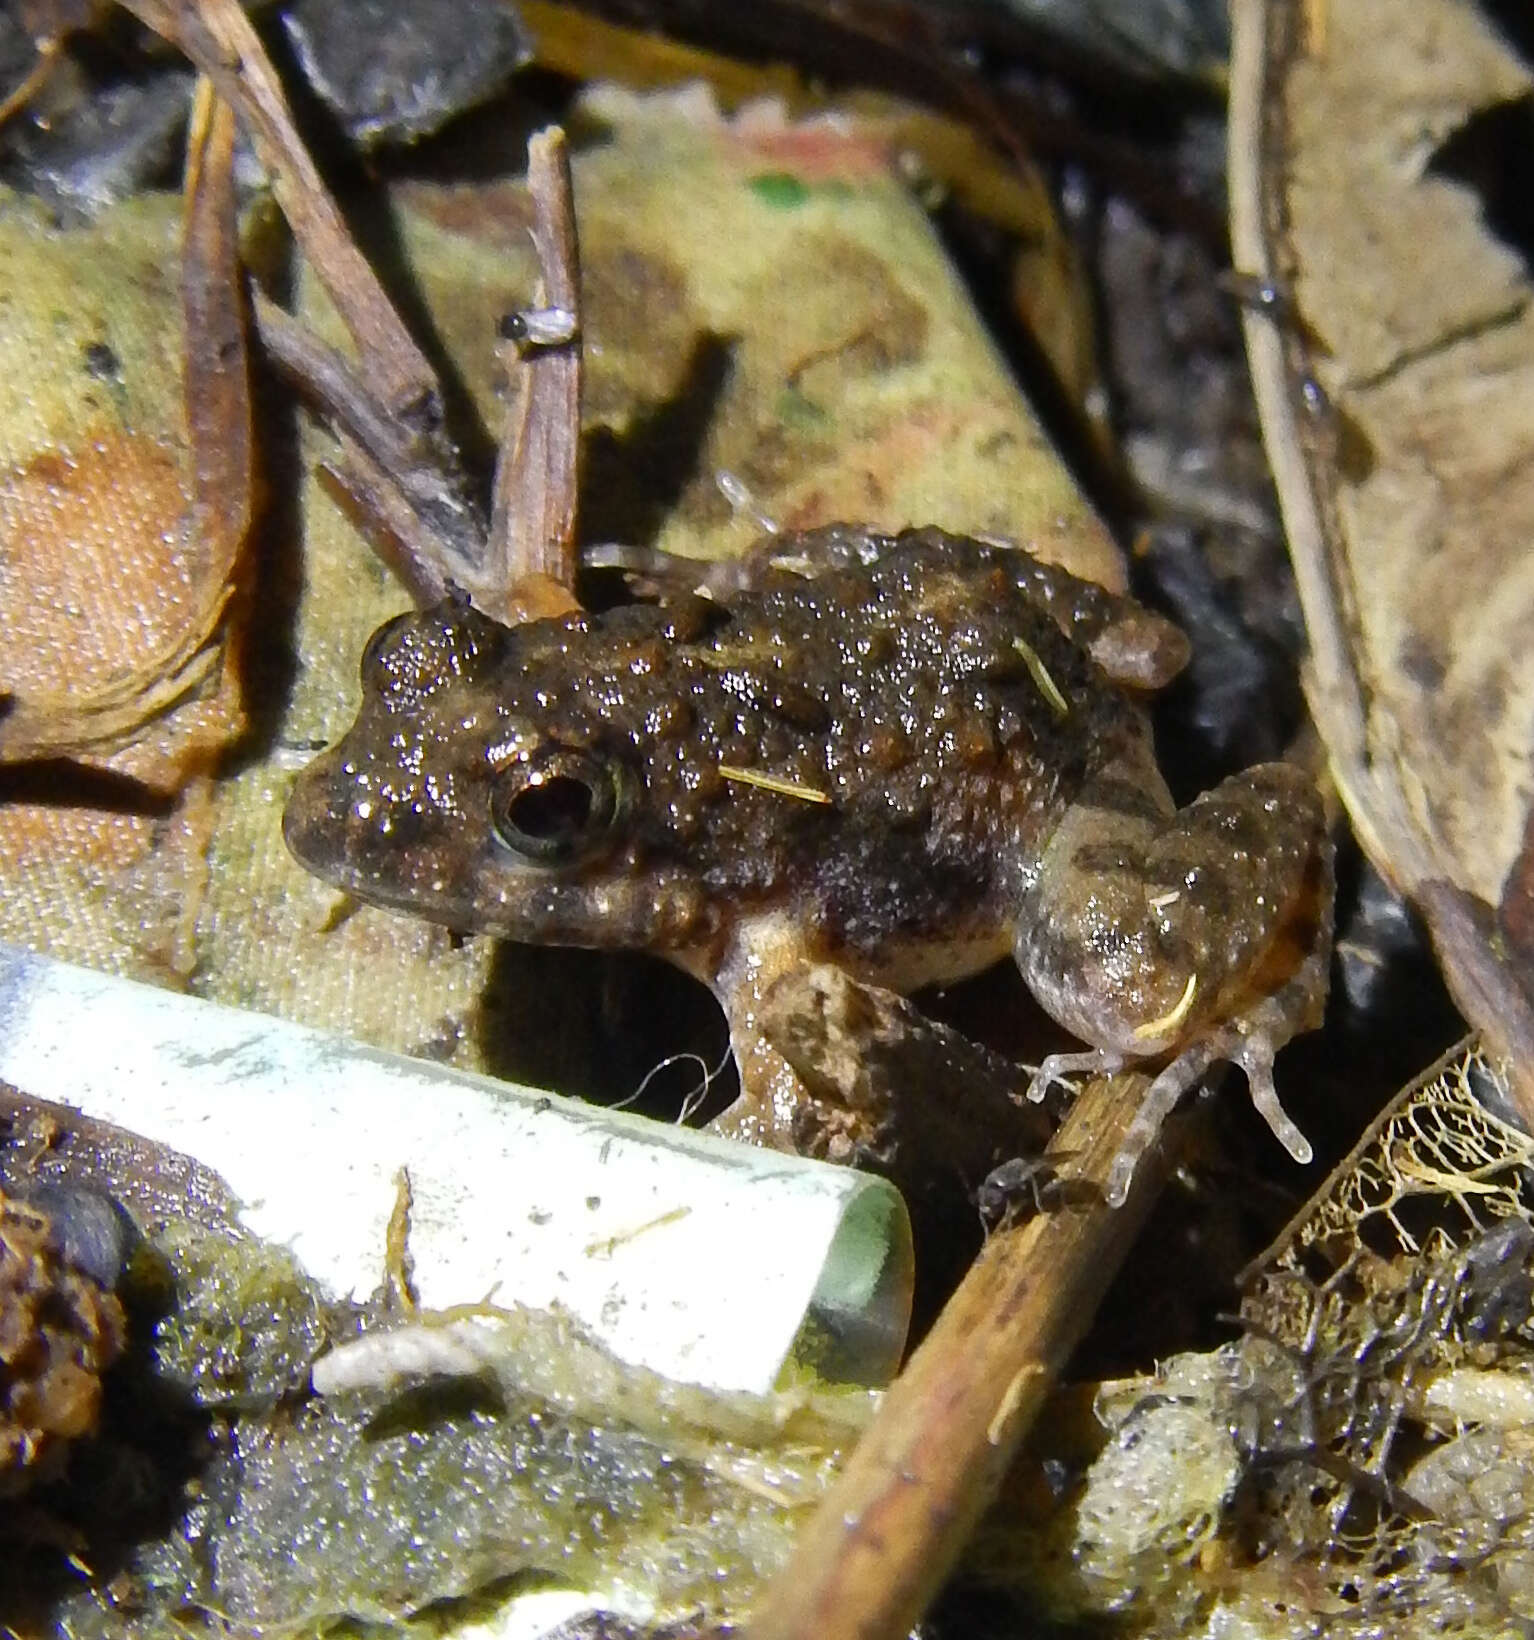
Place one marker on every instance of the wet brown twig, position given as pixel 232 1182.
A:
pixel 886 1536
pixel 399 476
pixel 532 522
pixel 216 384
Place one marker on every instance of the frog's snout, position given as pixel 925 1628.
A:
pixel 313 821
pixel 354 821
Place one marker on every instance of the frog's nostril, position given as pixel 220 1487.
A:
pixel 396 827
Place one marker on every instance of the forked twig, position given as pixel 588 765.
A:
pixel 217 36
pixel 402 387
pixel 399 476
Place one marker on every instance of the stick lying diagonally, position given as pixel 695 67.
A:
pixel 889 1532
pixel 399 476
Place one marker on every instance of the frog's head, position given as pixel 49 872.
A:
pixel 480 788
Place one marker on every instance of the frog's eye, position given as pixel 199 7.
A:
pixel 556 807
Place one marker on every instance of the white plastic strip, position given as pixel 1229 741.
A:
pixel 699 1258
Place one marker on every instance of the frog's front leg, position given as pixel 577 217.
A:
pixel 762 950
pixel 1203 933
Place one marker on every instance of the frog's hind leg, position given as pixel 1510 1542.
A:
pixel 1202 934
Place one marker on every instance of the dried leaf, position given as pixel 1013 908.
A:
pixel 1395 401
pixel 120 527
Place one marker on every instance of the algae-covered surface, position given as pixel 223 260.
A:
pixel 222 1492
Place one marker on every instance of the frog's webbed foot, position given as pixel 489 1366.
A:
pixel 1246 1043
pixel 1251 1040
pixel 1252 1050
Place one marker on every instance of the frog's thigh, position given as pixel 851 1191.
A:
pixel 1141 924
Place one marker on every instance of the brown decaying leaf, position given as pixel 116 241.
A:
pixel 1396 413
pixel 122 554
pixel 113 647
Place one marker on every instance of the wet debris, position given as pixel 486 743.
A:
pixel 61 1328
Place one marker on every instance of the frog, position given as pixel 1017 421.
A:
pixel 909 755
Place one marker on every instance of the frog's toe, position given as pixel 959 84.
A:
pixel 1255 1057
pixel 1056 1068
pixel 1158 1103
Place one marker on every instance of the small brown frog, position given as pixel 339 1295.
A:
pixel 908 756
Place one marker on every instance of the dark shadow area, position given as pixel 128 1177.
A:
pixel 1514 21
pixel 606 1026
pixel 1389 1008
pixel 1490 153
pixel 630 483
pixel 1238 701
pixel 979 1611
pixel 489 141
pixel 60 783
pixel 266 653
pixel 995 1008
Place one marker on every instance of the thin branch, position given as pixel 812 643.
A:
pixel 532 521
pixel 48 52
pixel 887 1535
pixel 215 372
pixel 218 38
pixel 428 520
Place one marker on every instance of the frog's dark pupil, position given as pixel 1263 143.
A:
pixel 555 808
